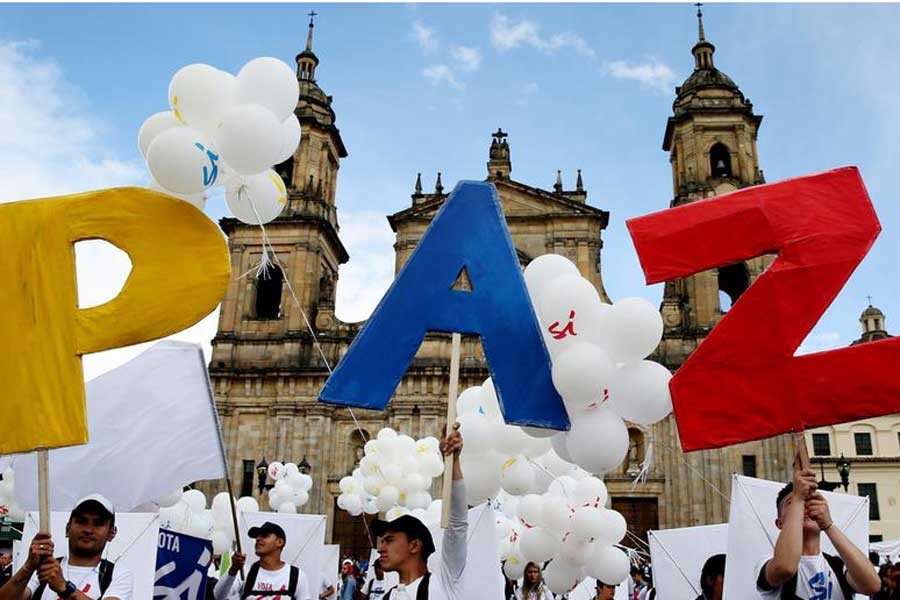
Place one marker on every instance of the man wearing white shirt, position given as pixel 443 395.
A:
pixel 269 578
pixel 82 575
pixel 798 568
pixel 405 543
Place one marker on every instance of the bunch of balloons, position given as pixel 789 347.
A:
pixel 8 506
pixel 598 353
pixel 569 526
pixel 229 130
pixel 186 512
pixel 394 476
pixel 291 489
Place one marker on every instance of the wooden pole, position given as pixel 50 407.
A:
pixel 43 456
pixel 451 419
pixel 234 519
pixel 802 453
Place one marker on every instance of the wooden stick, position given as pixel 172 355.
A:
pixel 802 453
pixel 451 419
pixel 43 456
pixel 234 519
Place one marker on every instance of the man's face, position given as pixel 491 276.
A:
pixel 810 527
pixel 345 568
pixel 395 548
pixel 606 592
pixel 88 533
pixel 267 544
pixel 5 559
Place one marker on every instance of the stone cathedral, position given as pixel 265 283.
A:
pixel 266 369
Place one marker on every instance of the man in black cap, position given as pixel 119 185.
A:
pixel 82 575
pixel 269 577
pixel 405 543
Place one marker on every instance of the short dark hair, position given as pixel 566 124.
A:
pixel 601 584
pixel 712 568
pixel 784 493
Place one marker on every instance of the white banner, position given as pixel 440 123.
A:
pixel 153 429
pixel 678 556
pixel 752 532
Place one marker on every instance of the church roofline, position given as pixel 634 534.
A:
pixel 228 225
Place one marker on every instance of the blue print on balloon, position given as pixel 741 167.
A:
pixel 469 232
pixel 212 172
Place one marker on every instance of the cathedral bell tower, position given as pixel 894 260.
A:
pixel 711 140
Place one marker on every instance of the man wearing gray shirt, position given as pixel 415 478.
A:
pixel 405 543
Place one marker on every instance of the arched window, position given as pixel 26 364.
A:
pixel 636 451
pixel 268 293
pixel 720 160
pixel 733 281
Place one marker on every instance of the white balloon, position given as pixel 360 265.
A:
pixel 370 506
pixel 555 514
pixel 174 517
pixel 199 94
pixel 182 162
pixel 195 499
pixel 489 402
pixel 386 433
pixel 300 497
pixel 406 446
pixel 431 465
pixel 575 551
pixel 587 522
pixel 590 492
pixel 554 463
pixel 469 402
pixel 201 525
pixel 346 485
pixel 291 469
pixel 640 392
pixel 477 431
pixel 388 497
pixel 517 475
pixel 221 542
pixel 269 82
pixel 608 564
pixel 373 484
pixel 509 439
pixel 392 474
pixel 537 544
pixel 594 324
pixel 539 432
pixel 561 577
pixel 198 199
pixel 563 487
pixel 256 199
pixel 221 507
pixel 598 440
pixel 482 475
pixel 396 512
pixel 580 374
pixel 558 443
pixel 614 527
pixel 153 126
pixel 514 567
pixel 418 499
pixel 636 329
pixel 530 510
pixel 276 470
pixel 247 504
pixel 248 138
pixel 167 500
pixel 276 498
pixel 562 301
pixel 287 507
pixel 290 138
pixel 544 269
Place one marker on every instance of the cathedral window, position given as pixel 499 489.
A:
pixel 720 160
pixel 733 281
pixel 268 293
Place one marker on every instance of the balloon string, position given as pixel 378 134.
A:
pixel 677 566
pixel 647 463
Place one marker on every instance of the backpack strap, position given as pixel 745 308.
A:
pixel 292 581
pixel 106 575
pixel 837 565
pixel 422 592
pixel 251 580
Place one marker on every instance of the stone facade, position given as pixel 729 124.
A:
pixel 266 370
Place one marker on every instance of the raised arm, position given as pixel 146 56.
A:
pixel 789 546
pixel 860 573
pixel 16 588
pixel 225 586
pixel 454 547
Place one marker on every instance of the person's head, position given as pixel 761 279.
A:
pixel 403 541
pixel 269 539
pixel 712 576
pixel 347 568
pixel 533 576
pixel 5 558
pixel 379 572
pixel 895 575
pixel 91 525
pixel 637 574
pixel 784 499
pixel 605 591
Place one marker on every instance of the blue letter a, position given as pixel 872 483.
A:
pixel 468 232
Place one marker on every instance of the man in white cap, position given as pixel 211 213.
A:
pixel 82 575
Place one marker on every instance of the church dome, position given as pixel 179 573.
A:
pixel 871 311
pixel 706 78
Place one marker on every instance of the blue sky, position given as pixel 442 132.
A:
pixel 419 88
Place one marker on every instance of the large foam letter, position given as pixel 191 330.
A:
pixel 468 232
pixel 180 269
pixel 743 382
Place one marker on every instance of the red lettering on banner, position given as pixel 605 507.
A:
pixel 743 382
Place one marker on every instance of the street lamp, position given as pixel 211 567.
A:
pixel 262 473
pixel 304 466
pixel 843 467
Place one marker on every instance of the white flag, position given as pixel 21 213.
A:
pixel 153 429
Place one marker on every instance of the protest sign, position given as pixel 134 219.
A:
pixel 182 563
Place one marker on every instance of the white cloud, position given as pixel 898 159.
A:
pixel 438 74
pixel 653 73
pixel 506 35
pixel 425 36
pixel 365 279
pixel 50 145
pixel 468 59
